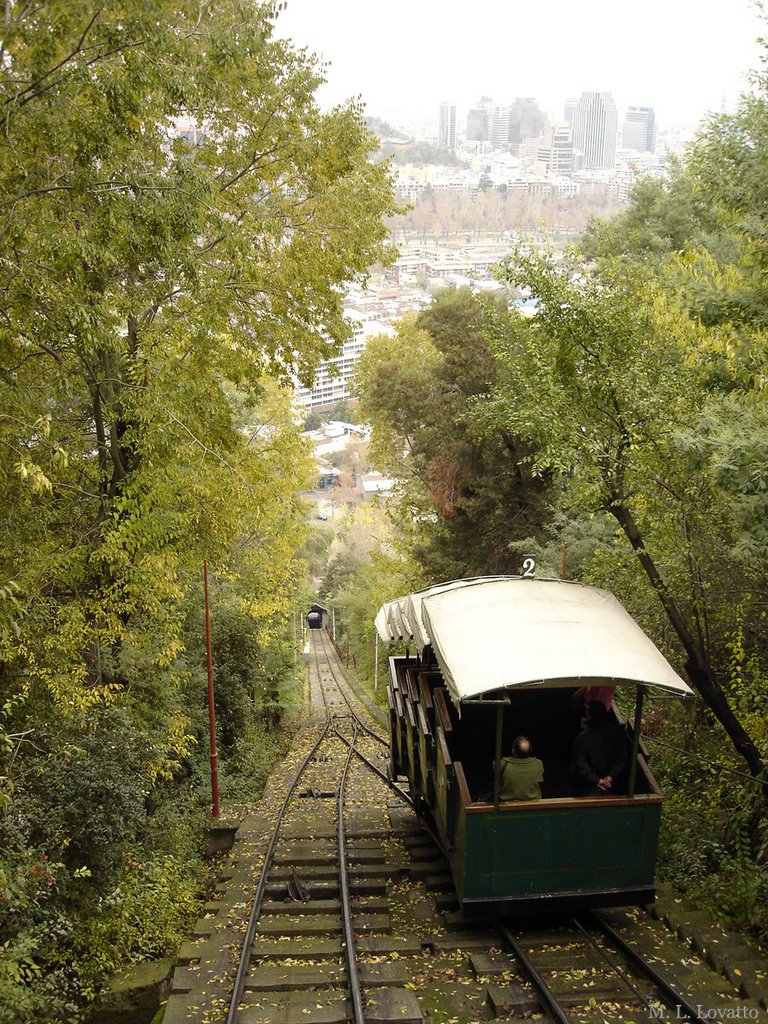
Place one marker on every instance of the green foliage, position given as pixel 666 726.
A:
pixel 420 153
pixel 157 279
pixel 383 129
pixel 728 168
pixel 606 382
pixel 344 411
pixel 713 829
pixel 471 491
pixel 251 759
pixel 315 550
pixel 82 790
pixel 313 420
pixel 370 568
pixel 155 293
pixel 121 931
pixel 665 216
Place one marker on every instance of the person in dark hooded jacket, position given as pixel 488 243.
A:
pixel 600 755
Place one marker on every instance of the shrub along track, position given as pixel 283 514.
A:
pixel 284 943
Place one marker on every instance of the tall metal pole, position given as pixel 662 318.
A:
pixel 211 706
pixel 295 654
pixel 376 664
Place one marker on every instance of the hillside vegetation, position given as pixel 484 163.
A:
pixel 178 220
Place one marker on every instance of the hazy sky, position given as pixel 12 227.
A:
pixel 682 57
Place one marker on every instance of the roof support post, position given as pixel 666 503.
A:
pixel 636 726
pixel 497 757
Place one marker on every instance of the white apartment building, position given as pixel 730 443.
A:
pixel 334 377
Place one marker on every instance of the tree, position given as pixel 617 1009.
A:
pixel 472 493
pixel 603 382
pixel 146 277
pixel 665 216
pixel 728 168
pixel 157 286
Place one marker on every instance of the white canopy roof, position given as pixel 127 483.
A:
pixel 497 633
pixel 383 622
pixel 413 604
pixel 398 620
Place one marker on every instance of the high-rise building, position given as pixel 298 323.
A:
pixel 479 123
pixel 446 131
pixel 500 127
pixel 595 129
pixel 639 130
pixel 526 121
pixel 333 380
pixel 505 127
pixel 555 152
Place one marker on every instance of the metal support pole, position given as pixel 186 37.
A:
pixel 211 705
pixel 497 757
pixel 565 561
pixel 376 664
pixel 295 652
pixel 635 740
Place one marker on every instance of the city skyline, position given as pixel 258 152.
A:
pixel 684 58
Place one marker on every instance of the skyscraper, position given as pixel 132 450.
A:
pixel 639 131
pixel 555 151
pixel 526 121
pixel 595 127
pixel 446 131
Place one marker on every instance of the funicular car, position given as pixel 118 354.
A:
pixel 497 657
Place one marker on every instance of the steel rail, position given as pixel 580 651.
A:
pixel 398 790
pixel 676 1001
pixel 551 1004
pixel 244 962
pixel 616 968
pixel 350 955
pixel 370 732
pixel 406 797
pixel 317 672
pixel 242 969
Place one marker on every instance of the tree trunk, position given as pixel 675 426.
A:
pixel 697 666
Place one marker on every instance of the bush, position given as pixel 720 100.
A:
pixel 146 916
pixel 714 829
pixel 83 794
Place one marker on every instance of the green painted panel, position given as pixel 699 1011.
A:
pixel 565 849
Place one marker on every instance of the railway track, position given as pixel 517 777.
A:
pixel 322 896
pixel 617 967
pixel 338 907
